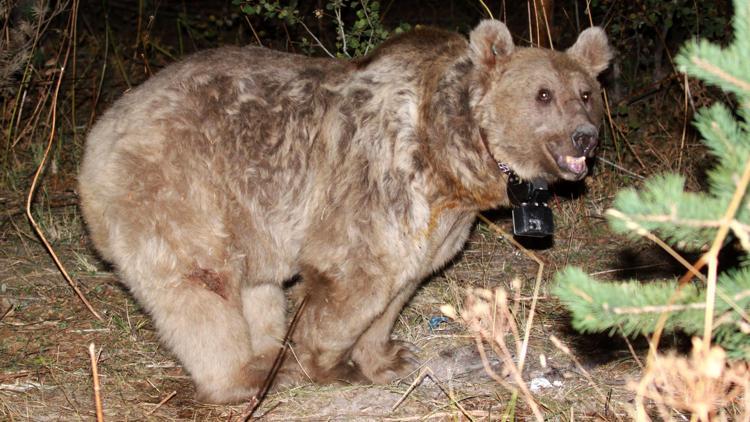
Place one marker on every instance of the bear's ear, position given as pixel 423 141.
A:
pixel 490 43
pixel 591 50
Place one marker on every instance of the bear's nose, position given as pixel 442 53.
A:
pixel 585 138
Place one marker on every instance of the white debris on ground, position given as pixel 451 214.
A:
pixel 538 384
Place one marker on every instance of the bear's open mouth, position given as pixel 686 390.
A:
pixel 575 165
pixel 572 167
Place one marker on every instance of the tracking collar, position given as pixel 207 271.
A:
pixel 532 217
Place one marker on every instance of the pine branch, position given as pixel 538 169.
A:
pixel 662 207
pixel 633 308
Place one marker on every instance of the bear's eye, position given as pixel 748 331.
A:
pixel 544 95
pixel 585 96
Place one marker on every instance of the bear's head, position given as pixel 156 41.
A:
pixel 539 110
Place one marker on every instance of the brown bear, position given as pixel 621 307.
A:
pixel 238 169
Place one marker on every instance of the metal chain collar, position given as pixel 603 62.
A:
pixel 512 176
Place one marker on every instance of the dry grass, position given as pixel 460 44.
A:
pixel 47 332
pixel 704 385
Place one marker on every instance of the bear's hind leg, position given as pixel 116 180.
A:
pixel 201 321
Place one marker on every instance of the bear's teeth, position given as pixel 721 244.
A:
pixel 575 164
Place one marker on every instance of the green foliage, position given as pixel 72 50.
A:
pixel 688 219
pixel 633 308
pixel 644 29
pixel 357 24
pixel 682 16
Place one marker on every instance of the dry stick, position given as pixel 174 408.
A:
pixel 26 75
pixel 486 9
pixel 528 13
pixel 369 23
pixel 98 87
pixel 342 34
pixel 257 400
pixel 97 387
pixel 640 230
pixel 742 85
pixel 33 188
pixel 320 44
pixel 565 349
pixel 518 371
pixel 610 120
pixel 540 271
pixel 684 124
pixel 252 28
pixel 546 26
pixel 713 254
pixel 632 351
pixel 440 415
pixel 74 30
pixel 411 388
pixel 139 26
pixel 427 372
pixel 536 23
pixel 164 400
pixel 7 312
pixel 711 257
pixel 516 374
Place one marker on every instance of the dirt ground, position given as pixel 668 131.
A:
pixel 45 372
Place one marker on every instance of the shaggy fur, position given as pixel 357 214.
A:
pixel 229 173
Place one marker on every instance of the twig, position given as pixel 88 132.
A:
pixel 617 270
pixel 337 11
pixel 164 400
pixel 537 284
pixel 5 313
pixel 713 253
pixel 427 372
pixel 618 167
pixel 546 26
pixel 536 24
pixel 634 226
pixel 486 9
pixel 320 44
pixel 516 374
pixel 256 401
pixel 693 270
pixel 417 380
pixel 441 416
pixel 369 23
pixel 252 28
pixel 528 13
pixel 33 188
pixel 12 208
pixel 97 387
pixel 632 351
pixel 565 349
pixel 686 91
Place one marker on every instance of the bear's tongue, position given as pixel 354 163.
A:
pixel 576 165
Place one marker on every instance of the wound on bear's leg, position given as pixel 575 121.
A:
pixel 211 280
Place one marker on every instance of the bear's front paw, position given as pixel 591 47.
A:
pixel 397 360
